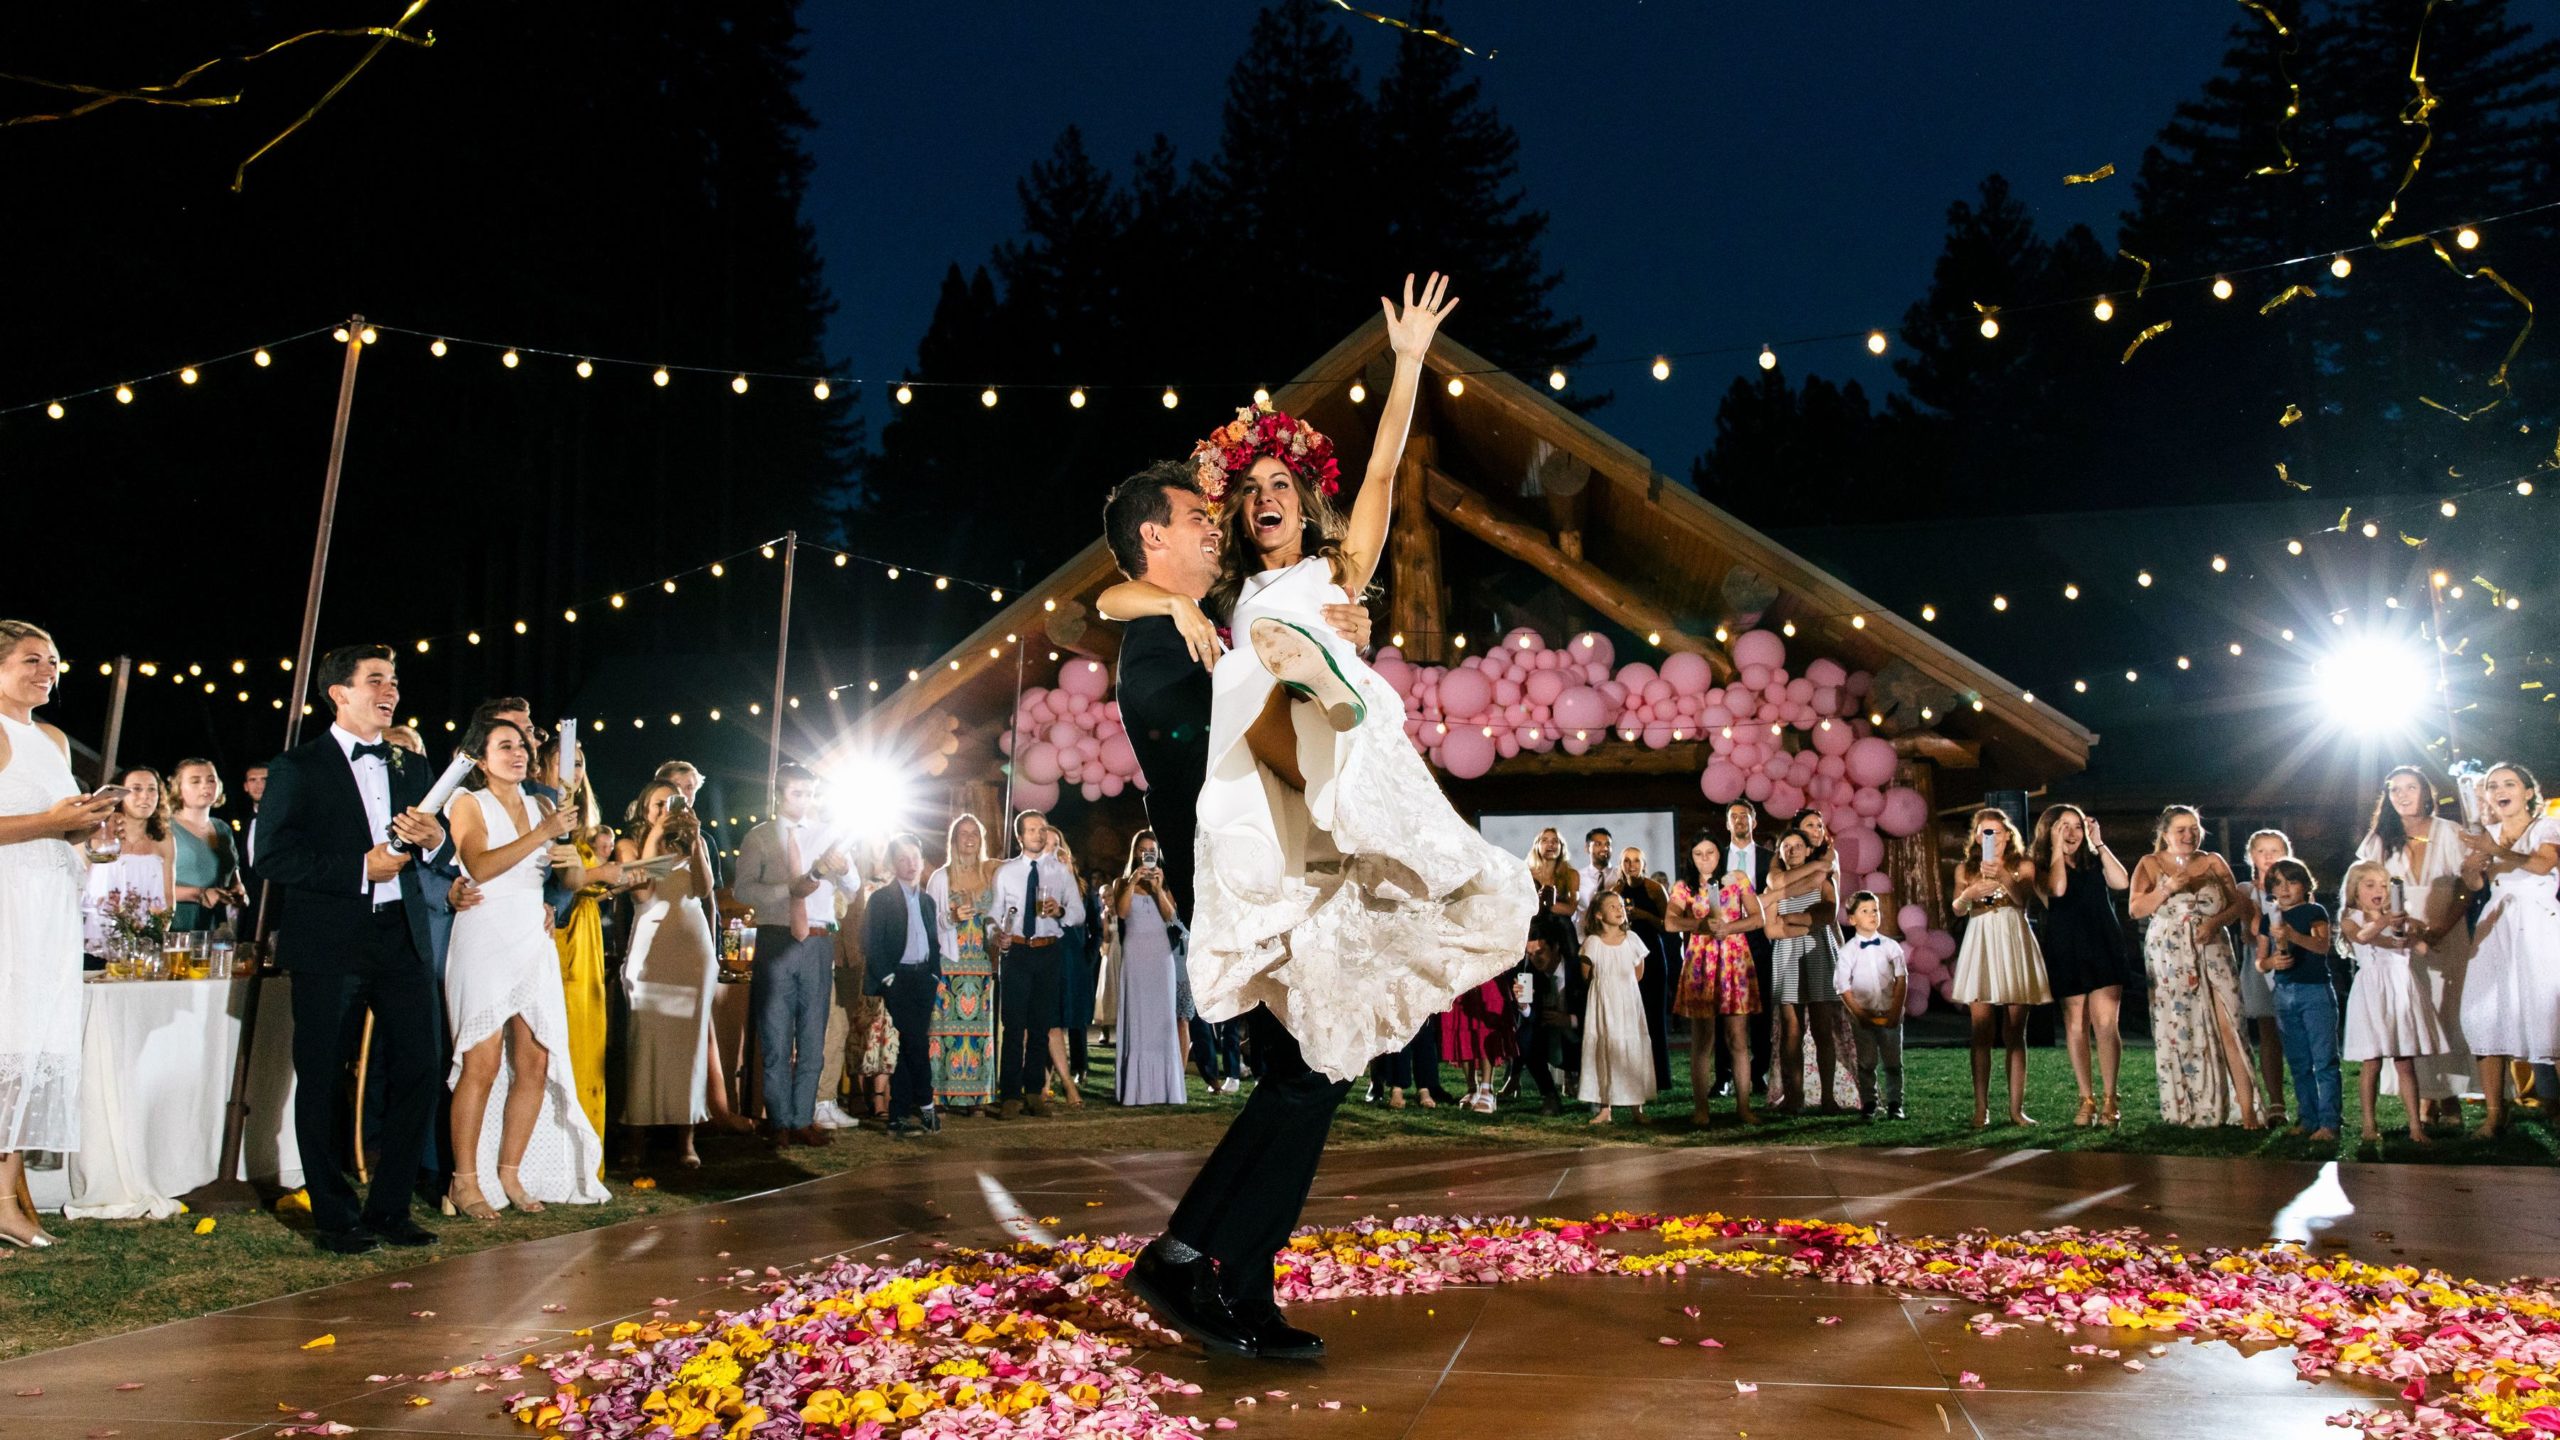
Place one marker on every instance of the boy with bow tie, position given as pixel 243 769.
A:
pixel 1874 976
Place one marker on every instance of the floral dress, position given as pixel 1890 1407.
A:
pixel 964 1018
pixel 2190 985
pixel 1716 975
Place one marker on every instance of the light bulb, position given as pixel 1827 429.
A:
pixel 263 359
pixel 821 390
pixel 1875 342
pixel 1928 612
pixel 520 627
pixel 1555 379
pixel 239 667
pixel 1170 398
pixel 2524 487
pixel 941 582
pixel 996 595
pixel 1768 358
pixel 509 360
pixel 2467 238
pixel 436 348
pixel 366 335
pixel 1661 367
pixel 905 395
pixel 473 637
pixel 1261 396
pixel 659 377
pixel 422 647
pixel 615 602
pixel 738 384
pixel 2293 547
pixel 570 615
pixel 2341 267
pixel 1788 629
pixel 187 376
pixel 718 569
pixel 667 585
pixel 2070 592
pixel 2233 647
pixel 2221 288
pixel 586 369
pixel 2080 687
pixel 1460 642
pixel 1075 398
pixel 339 334
pixel 2130 677
pixel 124 394
pixel 2371 530
pixel 2220 564
pixel 893 572
pixel 1457 386
pixel 2143 579
pixel 2182 662
pixel 2446 509
pixel 54 409
pixel 2105 309
pixel 1359 392
pixel 1999 602
pixel 1990 328
pixel 2513 603
pixel 2287 634
pixel 1857 622
pixel 987 397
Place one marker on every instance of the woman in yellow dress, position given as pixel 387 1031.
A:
pixel 586 860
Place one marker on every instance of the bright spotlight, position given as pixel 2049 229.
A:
pixel 868 797
pixel 2375 683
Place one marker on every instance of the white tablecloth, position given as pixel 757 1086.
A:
pixel 155 1074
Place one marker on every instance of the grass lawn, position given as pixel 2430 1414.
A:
pixel 110 1276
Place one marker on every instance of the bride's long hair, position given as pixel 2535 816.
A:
pixel 1319 534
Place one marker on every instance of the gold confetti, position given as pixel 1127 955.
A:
pixel 323 1343
pixel 2093 177
pixel 643 1182
pixel 2145 282
pixel 2286 475
pixel 2293 89
pixel 2410 540
pixel 2465 416
pixel 2287 296
pixel 2141 340
pixel 2292 415
pixel 2420 106
pixel 205 1226
pixel 2344 516
pixel 1426 32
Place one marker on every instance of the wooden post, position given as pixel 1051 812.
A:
pixel 781 662
pixel 1416 609
pixel 115 720
pixel 228 1190
pixel 1913 861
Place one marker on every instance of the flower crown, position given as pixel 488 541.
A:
pixel 1259 430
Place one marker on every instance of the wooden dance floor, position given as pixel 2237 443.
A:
pixel 1570 1356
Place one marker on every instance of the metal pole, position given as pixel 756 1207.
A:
pixel 115 721
pixel 781 662
pixel 227 1189
pixel 2444 678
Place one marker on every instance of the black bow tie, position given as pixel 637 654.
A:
pixel 379 750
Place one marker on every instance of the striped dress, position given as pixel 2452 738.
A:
pixel 1800 965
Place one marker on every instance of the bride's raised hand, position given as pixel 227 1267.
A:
pixel 1410 333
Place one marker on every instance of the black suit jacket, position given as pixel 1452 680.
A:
pixel 312 835
pixel 884 936
pixel 1164 705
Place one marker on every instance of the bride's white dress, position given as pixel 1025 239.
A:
pixel 1363 906
pixel 502 964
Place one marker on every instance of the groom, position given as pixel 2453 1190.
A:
pixel 1209 1274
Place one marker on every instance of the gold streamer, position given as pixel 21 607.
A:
pixel 2093 177
pixel 387 34
pixel 2292 416
pixel 2496 595
pixel 1426 32
pixel 2420 106
pixel 2410 540
pixel 2343 517
pixel 2293 88
pixel 2286 475
pixel 2145 282
pixel 2141 340
pixel 103 96
pixel 2497 381
pixel 2465 416
pixel 2287 296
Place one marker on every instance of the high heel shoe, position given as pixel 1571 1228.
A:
pixel 2108 1116
pixel 2087 1115
pixel 463 1197
pixel 1306 669
pixel 35 1239
pixel 515 1192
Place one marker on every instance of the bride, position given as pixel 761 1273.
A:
pixel 1336 885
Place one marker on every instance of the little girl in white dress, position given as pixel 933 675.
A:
pixel 2391 1015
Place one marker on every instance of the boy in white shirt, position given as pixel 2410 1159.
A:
pixel 1874 976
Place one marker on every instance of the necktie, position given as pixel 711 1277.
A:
pixel 799 903
pixel 1865 943
pixel 379 750
pixel 1031 901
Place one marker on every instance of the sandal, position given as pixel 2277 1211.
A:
pixel 2087 1114
pixel 463 1197
pixel 515 1192
pixel 35 1238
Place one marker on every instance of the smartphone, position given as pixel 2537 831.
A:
pixel 109 792
pixel 676 801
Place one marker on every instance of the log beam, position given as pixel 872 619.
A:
pixel 1617 757
pixel 1416 606
pixel 1944 751
pixel 1468 511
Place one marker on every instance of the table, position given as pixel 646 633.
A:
pixel 155 1075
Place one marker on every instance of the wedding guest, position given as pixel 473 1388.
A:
pixel 1598 848
pixel 515 1097
pixel 671 1059
pixel 253 784
pixel 1714 908
pixel 1999 971
pixel 253 790
pixel 2422 852
pixel 1551 1040
pixel 2257 991
pixel 1476 1034
pixel 1875 978
pixel 1745 856
pixel 1073 971
pixel 2190 899
pixel 205 861
pixel 1549 869
pixel 682 775
pixel 557 893
pixel 871 1042
pixel 1149 1034
pixel 1648 904
pixel 1617 1061
pixel 782 865
pixel 358 942
pixel 135 867
pixel 2084 959
pixel 45 821
pixel 586 864
pixel 2511 997
pixel 1801 957
pixel 902 958
pixel 964 1017
pixel 406 737
pixel 2392 1019
pixel 2293 950
pixel 1035 902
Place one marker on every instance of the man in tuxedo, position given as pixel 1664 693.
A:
pixel 359 943
pixel 1209 1274
pixel 1744 854
pixel 902 962
pixel 1035 908
pixel 784 865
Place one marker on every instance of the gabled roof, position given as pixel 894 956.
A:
pixel 1641 534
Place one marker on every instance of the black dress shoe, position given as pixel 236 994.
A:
pixel 347 1242
pixel 932 1120
pixel 904 1129
pixel 1274 1338
pixel 1184 1296
pixel 403 1231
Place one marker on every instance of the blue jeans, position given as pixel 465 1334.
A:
pixel 792 987
pixel 2307 1016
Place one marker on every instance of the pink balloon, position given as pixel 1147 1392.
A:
pixel 1524 638
pixel 1468 752
pixel 1092 791
pixel 1636 675
pixel 1942 945
pixel 1832 740
pixel 1112 785
pixel 1506 743
pixel 1759 647
pixel 1867 801
pixel 1397 674
pixel 1825 672
pixel 1858 683
pixel 1903 813
pixel 1575 745
pixel 1657 735
pixel 1581 708
pixel 1465 694
pixel 1658 691
pixel 1040 763
pixel 1911 919
pixel 1748 754
pixel 1506 691
pixel 1090 749
pixel 1592 648
pixel 1800 690
pixel 1757 787
pixel 1721 782
pixel 1119 757
pixel 1803 717
pixel 1004 742
pixel 1616 692
pixel 1785 801
pixel 1877 881
pixel 1741 704
pixel 1035 795
pixel 1915 1002
pixel 1826 700
pixel 1871 761
pixel 1860 851
pixel 1688 672
pixel 1755 678
pixel 1079 703
pixel 1088 678
pixel 1545 686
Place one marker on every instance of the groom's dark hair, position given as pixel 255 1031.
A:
pixel 338 667
pixel 1141 500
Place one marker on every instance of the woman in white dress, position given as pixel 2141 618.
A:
pixel 44 820
pixel 2422 851
pixel 2392 1021
pixel 670 974
pixel 1617 1048
pixel 2511 998
pixel 136 859
pixel 2000 971
pixel 514 1110
pixel 1335 885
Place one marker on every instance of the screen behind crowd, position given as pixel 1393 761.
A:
pixel 1649 830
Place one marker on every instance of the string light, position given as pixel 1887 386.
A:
pixel 1875 342
pixel 1261 395
pixel 2220 565
pixel 509 360
pixel 941 582
pixel 2293 547
pixel 54 409
pixel 124 394
pixel 187 376
pixel 821 390
pixel 2130 677
pixel 422 647
pixel 570 615
pixel 1555 379
pixel 2342 267
pixel 2105 309
pixel 339 334
pixel 367 336
pixel 2143 579
pixel 904 394
pixel 2371 530
pixel 263 359
pixel 1990 328
pixel 1929 612
pixel 436 348
pixel 987 397
pixel 1768 358
pixel 667 585
pixel 2221 287
pixel 473 637
pixel 895 572
pixel 997 596
pixel 2467 238
pixel 1075 398
pixel 1359 392
pixel 2070 592
pixel 1788 629
pixel 2447 509
pixel 2080 687
pixel 765 550
pixel 2234 647
pixel 1457 387
pixel 587 370
pixel 520 627
pixel 659 377
pixel 1857 622
pixel 2524 487
pixel 1661 367
pixel 1999 602
pixel 738 384
pixel 1171 399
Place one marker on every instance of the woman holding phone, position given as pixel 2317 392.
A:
pixel 2000 970
pixel 1148 1024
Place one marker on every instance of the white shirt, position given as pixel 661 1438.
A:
pixel 1013 882
pixel 1593 873
pixel 1867 968
pixel 373 782
pixel 1737 859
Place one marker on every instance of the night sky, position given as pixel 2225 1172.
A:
pixel 1718 176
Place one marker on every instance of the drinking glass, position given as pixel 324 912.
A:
pixel 218 959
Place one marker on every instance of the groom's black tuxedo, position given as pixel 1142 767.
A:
pixel 350 952
pixel 1246 1199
